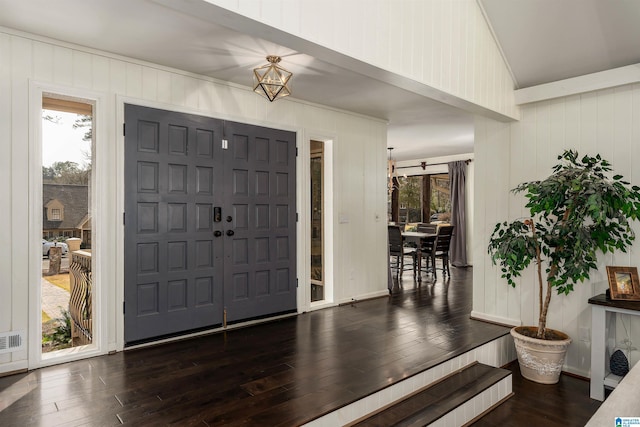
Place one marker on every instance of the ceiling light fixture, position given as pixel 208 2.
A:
pixel 271 80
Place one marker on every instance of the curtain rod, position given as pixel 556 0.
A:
pixel 423 165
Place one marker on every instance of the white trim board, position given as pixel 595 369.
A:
pixel 495 319
pixel 577 85
pixel 37 90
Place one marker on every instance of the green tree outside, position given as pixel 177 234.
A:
pixel 65 173
pixel 410 197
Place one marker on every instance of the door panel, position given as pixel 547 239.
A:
pixel 173 262
pixel 183 270
pixel 260 276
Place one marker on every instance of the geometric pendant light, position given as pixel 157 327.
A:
pixel 271 80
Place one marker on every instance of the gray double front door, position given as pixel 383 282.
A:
pixel 210 222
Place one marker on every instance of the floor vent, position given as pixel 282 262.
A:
pixel 11 341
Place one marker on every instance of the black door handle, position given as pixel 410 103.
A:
pixel 230 233
pixel 217 233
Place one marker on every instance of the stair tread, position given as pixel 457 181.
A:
pixel 438 399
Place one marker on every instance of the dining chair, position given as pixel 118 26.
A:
pixel 437 248
pixel 440 249
pixel 426 245
pixel 428 228
pixel 398 249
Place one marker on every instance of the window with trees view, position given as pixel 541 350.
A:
pixel 410 199
pixel 419 204
pixel 66 221
pixel 440 204
pixel 55 169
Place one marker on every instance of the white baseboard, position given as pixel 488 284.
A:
pixel 363 297
pixel 495 319
pixel 12 367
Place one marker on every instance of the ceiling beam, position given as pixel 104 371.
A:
pixel 577 85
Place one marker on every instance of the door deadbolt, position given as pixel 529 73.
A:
pixel 229 218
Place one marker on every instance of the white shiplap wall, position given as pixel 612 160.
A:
pixel 359 164
pixel 442 45
pixel 604 122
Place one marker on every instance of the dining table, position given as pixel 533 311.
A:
pixel 418 237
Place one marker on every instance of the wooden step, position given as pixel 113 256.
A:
pixel 435 401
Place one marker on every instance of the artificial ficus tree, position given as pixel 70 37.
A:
pixel 575 213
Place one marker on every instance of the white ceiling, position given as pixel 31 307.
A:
pixel 543 40
pixel 551 40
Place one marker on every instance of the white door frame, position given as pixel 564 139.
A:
pixel 101 189
pixel 329 218
pixel 302 178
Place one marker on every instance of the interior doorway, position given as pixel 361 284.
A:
pixel 66 289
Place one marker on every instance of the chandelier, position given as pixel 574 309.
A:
pixel 271 80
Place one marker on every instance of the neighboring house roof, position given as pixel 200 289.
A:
pixel 74 198
pixel 85 223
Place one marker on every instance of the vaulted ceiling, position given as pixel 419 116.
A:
pixel 550 40
pixel 542 41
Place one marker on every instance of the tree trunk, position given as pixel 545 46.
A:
pixel 544 306
pixel 542 324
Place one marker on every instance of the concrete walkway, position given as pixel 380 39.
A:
pixel 54 299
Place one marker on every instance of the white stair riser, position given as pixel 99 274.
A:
pixel 496 353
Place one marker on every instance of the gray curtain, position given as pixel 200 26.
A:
pixel 457 177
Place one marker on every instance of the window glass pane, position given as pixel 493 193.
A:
pixel 410 199
pixel 440 198
pixel 317 221
pixel 66 199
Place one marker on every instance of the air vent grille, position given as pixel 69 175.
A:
pixel 11 341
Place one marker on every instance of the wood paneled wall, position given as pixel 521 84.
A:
pixel 358 164
pixel 603 122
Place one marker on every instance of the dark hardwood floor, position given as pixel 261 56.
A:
pixel 550 405
pixel 281 373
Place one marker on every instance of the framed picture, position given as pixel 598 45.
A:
pixel 623 283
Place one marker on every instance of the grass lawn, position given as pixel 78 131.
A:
pixel 60 280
